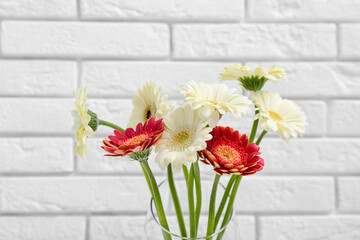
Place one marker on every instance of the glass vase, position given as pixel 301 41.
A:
pixel 153 229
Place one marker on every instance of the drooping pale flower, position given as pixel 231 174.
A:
pixel 229 153
pixel 130 141
pixel 279 115
pixel 252 79
pixel 82 119
pixel 210 98
pixel 185 134
pixel 148 103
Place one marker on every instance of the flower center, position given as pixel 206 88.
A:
pixel 148 113
pixel 275 116
pixel 136 140
pixel 180 141
pixel 228 154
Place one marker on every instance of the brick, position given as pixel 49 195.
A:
pixel 316 79
pixel 117 227
pixel 163 10
pixel 349 38
pixel 286 194
pixel 98 163
pixel 36 155
pixel 38 9
pixel 306 10
pixel 38 78
pixel 31 115
pixel 311 156
pixel 85 39
pixel 42 228
pixel 74 194
pixel 344 117
pixel 310 228
pixel 132 227
pixel 124 78
pixel 246 227
pixel 273 41
pixel 349 194
pixel 315 112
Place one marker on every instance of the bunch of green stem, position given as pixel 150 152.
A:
pixel 152 184
pixel 232 187
pixel 192 177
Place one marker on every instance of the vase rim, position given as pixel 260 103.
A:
pixel 188 238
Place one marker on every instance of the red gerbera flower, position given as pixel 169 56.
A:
pixel 132 141
pixel 229 153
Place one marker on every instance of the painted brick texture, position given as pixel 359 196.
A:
pixel 309 188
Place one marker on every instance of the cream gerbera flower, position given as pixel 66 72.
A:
pixel 209 98
pixel 81 126
pixel 252 79
pixel 279 115
pixel 148 103
pixel 185 134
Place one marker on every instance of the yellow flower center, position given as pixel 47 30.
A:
pixel 136 139
pixel 180 141
pixel 275 116
pixel 228 153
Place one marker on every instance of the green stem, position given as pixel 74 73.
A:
pixel 230 206
pixel 258 141
pixel 192 216
pixel 198 193
pixel 211 218
pixel 254 128
pixel 186 174
pixel 176 201
pixel 111 125
pixel 157 198
pixel 223 201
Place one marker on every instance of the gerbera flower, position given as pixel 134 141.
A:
pixel 185 134
pixel 279 115
pixel 130 141
pixel 210 98
pixel 252 79
pixel 81 126
pixel 148 103
pixel 229 153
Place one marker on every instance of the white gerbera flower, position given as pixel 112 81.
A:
pixel 252 79
pixel 210 98
pixel 81 126
pixel 185 133
pixel 148 103
pixel 279 115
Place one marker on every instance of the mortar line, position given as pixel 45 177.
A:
pixel 70 57
pixel 246 12
pixel 338 41
pixel 337 195
pixel 118 174
pixel 172 46
pixel 257 227
pixel 87 228
pixel 78 9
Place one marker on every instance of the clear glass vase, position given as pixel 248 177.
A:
pixel 153 229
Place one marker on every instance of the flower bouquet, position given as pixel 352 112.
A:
pixel 184 136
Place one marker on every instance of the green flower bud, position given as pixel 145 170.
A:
pixel 94 122
pixel 253 83
pixel 141 156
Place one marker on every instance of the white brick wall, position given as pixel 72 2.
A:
pixel 309 189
